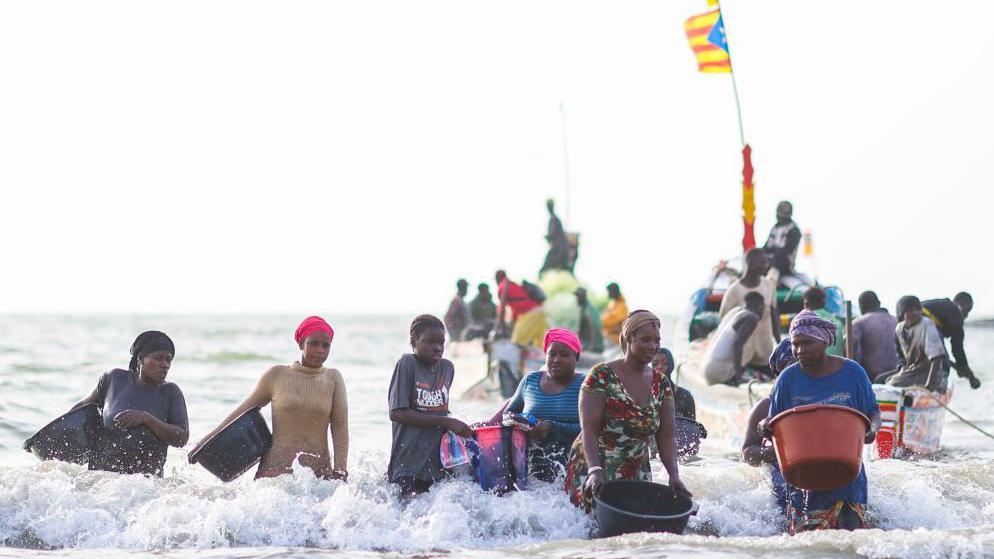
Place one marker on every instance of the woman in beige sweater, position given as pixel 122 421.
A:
pixel 307 399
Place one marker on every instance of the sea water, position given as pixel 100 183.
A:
pixel 938 507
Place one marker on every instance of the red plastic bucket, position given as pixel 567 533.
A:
pixel 819 446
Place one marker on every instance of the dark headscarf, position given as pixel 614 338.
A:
pixel 905 304
pixel 782 357
pixel 149 342
pixel 669 358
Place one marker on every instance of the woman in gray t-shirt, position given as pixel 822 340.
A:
pixel 142 413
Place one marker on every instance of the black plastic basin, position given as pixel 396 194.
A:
pixel 629 506
pixel 236 448
pixel 688 436
pixel 70 438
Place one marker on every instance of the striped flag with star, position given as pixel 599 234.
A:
pixel 706 34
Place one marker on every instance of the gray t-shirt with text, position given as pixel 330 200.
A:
pixel 414 386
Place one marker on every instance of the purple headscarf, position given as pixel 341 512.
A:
pixel 808 323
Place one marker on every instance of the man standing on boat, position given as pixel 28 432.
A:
pixel 949 316
pixel 781 247
pixel 558 257
pixel 874 345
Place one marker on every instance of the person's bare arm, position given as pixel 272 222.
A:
pixel 173 435
pixel 754 452
pixel 415 418
pixel 261 396
pixel 666 444
pixel 744 327
pixel 591 424
pixel 934 373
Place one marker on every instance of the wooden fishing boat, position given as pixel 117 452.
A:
pixel 722 408
pixel 911 420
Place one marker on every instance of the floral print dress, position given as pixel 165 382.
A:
pixel 627 426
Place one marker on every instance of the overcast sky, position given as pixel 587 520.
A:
pixel 343 157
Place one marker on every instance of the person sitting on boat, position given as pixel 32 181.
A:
pixel 143 415
pixel 683 400
pixel 757 450
pixel 873 336
pixel 820 378
pixel 764 338
pixel 814 301
pixel 948 316
pixel 551 396
pixel 921 353
pixel 781 248
pixel 622 403
pixel 558 257
pixel 308 399
pixel 419 409
pixel 482 313
pixel 614 314
pixel 729 352
pixel 590 323
pixel 527 314
pixel 457 317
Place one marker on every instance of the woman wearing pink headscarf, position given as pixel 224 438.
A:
pixel 551 397
pixel 307 399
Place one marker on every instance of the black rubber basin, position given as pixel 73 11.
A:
pixel 237 447
pixel 70 438
pixel 629 506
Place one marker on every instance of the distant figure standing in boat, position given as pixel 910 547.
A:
pixel 143 414
pixel 614 314
pixel 590 323
pixel 949 316
pixel 814 301
pixel 781 247
pixel 921 353
pixel 527 314
pixel 820 378
pixel 482 313
pixel 457 317
pixel 308 399
pixel 558 257
pixel 873 336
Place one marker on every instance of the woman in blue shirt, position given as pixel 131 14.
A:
pixel 819 378
pixel 552 397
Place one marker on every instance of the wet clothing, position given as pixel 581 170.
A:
pixel 917 346
pixel 457 318
pixel 590 328
pixel 612 319
pixel 829 518
pixel 760 344
pixel 683 402
pixel 622 441
pixel 781 247
pixel 547 458
pixel 483 314
pixel 135 450
pixel 873 342
pixel 947 317
pixel 415 386
pixel 306 402
pixel 850 387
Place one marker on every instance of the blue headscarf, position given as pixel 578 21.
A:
pixel 782 357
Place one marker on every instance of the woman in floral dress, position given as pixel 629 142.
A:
pixel 622 403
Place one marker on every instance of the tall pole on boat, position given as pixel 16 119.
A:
pixel 562 114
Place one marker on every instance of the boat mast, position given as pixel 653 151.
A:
pixel 562 114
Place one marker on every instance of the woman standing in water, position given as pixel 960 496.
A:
pixel 307 399
pixel 551 395
pixel 142 413
pixel 819 378
pixel 623 402
pixel 419 409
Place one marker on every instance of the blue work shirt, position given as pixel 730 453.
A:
pixel 850 387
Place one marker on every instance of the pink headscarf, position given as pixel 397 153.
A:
pixel 563 336
pixel 310 325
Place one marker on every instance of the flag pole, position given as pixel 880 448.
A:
pixel 562 114
pixel 731 71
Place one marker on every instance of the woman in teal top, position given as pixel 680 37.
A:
pixel 552 397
